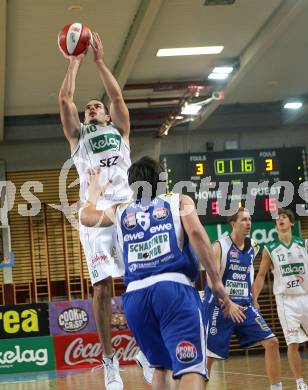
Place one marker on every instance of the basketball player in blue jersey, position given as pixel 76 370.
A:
pixel 234 256
pixel 162 307
pixel 97 143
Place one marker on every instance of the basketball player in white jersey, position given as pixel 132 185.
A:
pixel 287 256
pixel 97 143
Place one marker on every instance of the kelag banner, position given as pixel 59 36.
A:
pixel 71 317
pixel 26 354
pixel 84 350
pixel 24 321
pixel 261 232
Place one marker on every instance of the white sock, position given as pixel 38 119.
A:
pixel 276 386
pixel 299 381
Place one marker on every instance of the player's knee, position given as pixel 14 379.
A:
pixel 293 347
pixel 103 289
pixel 272 343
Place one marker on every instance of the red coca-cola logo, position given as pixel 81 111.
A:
pixel 85 350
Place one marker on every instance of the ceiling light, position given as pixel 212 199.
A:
pixel 218 76
pixel 75 7
pixel 191 109
pixel 219 2
pixel 223 69
pixel 293 105
pixel 189 51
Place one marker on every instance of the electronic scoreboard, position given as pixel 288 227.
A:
pixel 215 179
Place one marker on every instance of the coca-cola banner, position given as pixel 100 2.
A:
pixel 84 350
pixel 66 317
pixel 26 354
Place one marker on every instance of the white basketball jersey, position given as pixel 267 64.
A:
pixel 104 147
pixel 290 266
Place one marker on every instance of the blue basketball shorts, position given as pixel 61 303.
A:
pixel 166 321
pixel 220 330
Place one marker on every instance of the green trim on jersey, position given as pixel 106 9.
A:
pixel 275 243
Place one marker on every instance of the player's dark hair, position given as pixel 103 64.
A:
pixel 289 213
pixel 233 217
pixel 147 170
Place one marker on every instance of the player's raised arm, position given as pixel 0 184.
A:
pixel 118 109
pixel 68 111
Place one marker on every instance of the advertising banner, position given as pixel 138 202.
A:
pixel 118 319
pixel 24 321
pixel 26 355
pixel 261 232
pixel 84 350
pixel 7 261
pixel 67 317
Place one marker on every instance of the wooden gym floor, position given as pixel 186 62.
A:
pixel 237 373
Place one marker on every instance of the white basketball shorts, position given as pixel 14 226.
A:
pixel 293 315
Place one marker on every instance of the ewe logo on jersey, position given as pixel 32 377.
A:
pixel 133 236
pixel 156 246
pixel 186 352
pixel 105 142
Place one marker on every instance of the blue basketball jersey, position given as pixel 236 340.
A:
pixel 237 272
pixel 152 241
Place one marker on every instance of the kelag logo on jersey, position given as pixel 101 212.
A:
pixel 105 142
pixel 186 352
pixel 130 221
pixel 292 269
pixel 73 319
pixel 160 213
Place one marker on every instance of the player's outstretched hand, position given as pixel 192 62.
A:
pixel 97 47
pixel 78 58
pixel 233 310
pixel 96 188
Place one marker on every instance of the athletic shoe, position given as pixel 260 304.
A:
pixel 112 376
pixel 302 386
pixel 148 371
